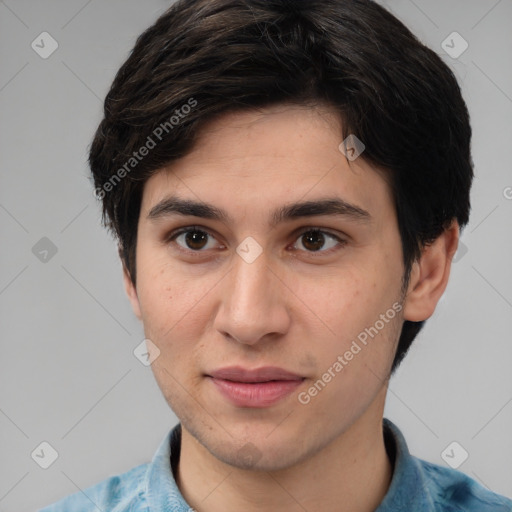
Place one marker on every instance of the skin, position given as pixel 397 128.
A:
pixel 293 307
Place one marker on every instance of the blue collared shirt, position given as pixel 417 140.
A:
pixel 416 485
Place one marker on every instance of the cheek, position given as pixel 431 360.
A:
pixel 358 307
pixel 352 370
pixel 173 305
pixel 155 291
pixel 161 296
pixel 347 301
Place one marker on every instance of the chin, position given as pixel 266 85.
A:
pixel 250 457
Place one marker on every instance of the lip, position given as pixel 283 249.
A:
pixel 263 374
pixel 260 387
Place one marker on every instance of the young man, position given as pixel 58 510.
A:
pixel 287 181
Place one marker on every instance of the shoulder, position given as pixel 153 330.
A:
pixel 116 494
pixel 427 487
pixel 453 491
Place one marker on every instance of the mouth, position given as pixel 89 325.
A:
pixel 261 387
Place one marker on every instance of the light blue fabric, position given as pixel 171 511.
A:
pixel 416 486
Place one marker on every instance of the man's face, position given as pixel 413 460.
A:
pixel 209 299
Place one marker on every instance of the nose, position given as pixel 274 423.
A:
pixel 253 302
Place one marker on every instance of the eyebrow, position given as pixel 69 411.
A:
pixel 320 207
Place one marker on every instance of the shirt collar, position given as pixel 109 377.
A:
pixel 162 492
pixel 407 490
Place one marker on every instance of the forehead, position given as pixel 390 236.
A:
pixel 257 161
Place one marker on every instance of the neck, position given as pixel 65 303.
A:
pixel 352 473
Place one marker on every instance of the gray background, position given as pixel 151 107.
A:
pixel 68 375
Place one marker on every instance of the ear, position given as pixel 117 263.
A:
pixel 129 287
pixel 429 275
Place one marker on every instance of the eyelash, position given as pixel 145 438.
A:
pixel 341 242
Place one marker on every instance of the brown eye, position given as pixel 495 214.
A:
pixel 313 240
pixel 192 239
pixel 196 239
pixel 316 240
